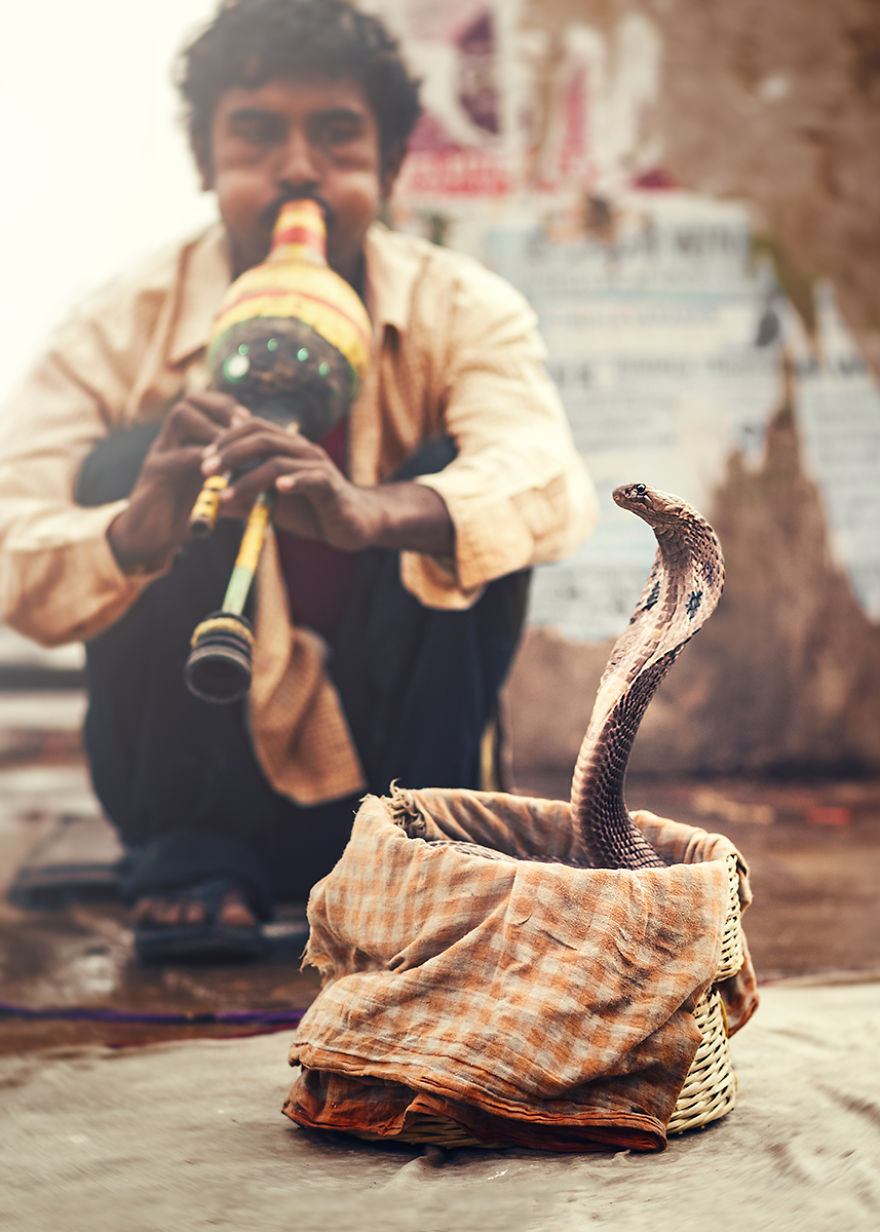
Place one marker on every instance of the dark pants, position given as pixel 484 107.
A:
pixel 177 776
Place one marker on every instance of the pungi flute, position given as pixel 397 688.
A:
pixel 291 341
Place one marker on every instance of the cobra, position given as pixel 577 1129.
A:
pixel 681 593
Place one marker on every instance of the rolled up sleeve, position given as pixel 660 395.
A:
pixel 59 580
pixel 518 493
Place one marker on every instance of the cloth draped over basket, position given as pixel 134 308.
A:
pixel 517 1002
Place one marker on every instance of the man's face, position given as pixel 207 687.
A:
pixel 289 139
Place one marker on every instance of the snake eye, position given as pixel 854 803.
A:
pixel 641 489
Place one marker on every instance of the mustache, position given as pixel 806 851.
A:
pixel 269 215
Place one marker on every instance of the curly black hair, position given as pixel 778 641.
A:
pixel 250 42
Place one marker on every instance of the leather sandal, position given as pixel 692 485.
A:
pixel 209 939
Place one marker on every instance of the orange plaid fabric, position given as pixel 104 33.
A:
pixel 530 1003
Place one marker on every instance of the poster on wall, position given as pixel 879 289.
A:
pixel 837 403
pixel 457 149
pixel 667 334
pixel 658 345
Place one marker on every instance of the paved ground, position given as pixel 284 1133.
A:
pixel 813 850
pixel 189 1136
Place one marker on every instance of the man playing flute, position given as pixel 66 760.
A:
pixel 390 594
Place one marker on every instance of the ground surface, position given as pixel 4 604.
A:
pixel 187 1133
pixel 189 1136
pixel 813 849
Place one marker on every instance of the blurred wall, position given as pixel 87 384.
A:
pixel 685 192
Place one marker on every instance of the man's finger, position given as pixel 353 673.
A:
pixel 222 408
pixel 312 481
pixel 240 449
pixel 175 461
pixel 249 485
pixel 193 420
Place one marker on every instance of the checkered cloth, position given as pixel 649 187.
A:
pixel 522 1002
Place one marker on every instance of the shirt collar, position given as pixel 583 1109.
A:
pixel 391 269
pixel 204 281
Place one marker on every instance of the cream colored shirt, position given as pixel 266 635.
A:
pixel 455 352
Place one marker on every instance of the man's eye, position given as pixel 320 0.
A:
pixel 338 132
pixel 256 130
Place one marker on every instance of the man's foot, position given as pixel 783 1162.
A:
pixel 209 920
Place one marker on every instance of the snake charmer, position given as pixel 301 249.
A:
pixel 390 591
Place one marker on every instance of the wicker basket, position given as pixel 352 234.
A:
pixel 709 1090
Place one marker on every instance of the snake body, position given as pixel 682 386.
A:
pixel 681 593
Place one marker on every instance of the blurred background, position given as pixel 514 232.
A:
pixel 687 195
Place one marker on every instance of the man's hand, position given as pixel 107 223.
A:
pixel 155 523
pixel 316 501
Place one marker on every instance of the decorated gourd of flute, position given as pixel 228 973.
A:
pixel 291 342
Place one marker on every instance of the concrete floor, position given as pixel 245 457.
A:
pixel 813 850
pixel 187 1132
pixel 189 1136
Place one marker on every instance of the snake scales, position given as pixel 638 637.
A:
pixel 681 593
